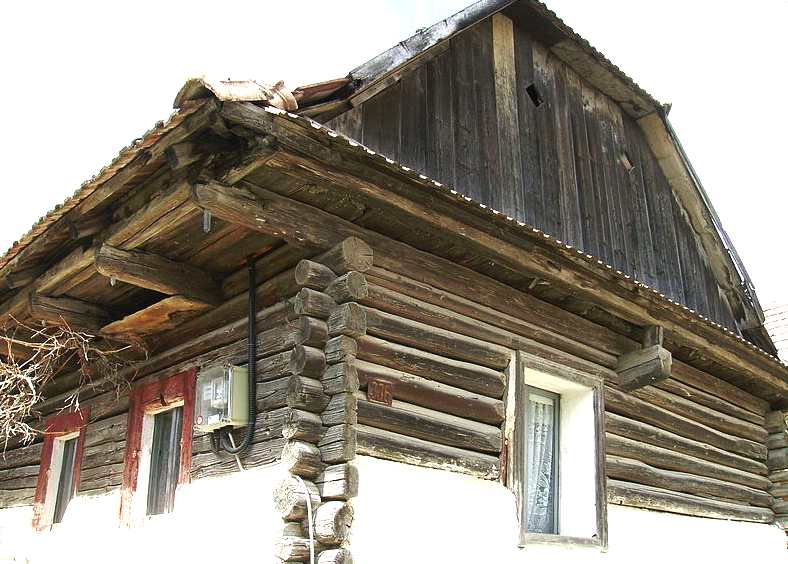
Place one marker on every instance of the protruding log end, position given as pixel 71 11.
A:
pixel 332 522
pixel 348 319
pixel 644 367
pixel 350 254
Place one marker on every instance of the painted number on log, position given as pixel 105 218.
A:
pixel 380 391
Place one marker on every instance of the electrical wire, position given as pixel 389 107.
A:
pixel 309 519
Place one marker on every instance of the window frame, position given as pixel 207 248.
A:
pixel 517 444
pixel 144 403
pixel 57 428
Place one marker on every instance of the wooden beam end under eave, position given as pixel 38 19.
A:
pixel 644 367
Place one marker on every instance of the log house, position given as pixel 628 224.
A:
pixel 484 269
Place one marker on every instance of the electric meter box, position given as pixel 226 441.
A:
pixel 222 398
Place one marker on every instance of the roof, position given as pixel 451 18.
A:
pixel 377 73
pixel 196 92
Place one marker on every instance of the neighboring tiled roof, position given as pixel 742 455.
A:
pixel 777 325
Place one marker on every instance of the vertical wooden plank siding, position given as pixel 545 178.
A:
pixel 511 182
pixel 502 120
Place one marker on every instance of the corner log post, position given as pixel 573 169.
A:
pixel 648 366
pixel 318 426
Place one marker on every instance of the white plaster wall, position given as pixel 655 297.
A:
pixel 236 510
pixel 405 513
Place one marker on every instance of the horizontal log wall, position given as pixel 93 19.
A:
pixel 448 382
pixel 286 370
pixel 691 444
pixel 692 441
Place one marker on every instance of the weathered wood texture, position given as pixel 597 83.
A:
pixel 286 395
pixel 466 118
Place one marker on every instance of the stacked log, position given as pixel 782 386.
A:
pixel 446 378
pixel 319 423
pixel 777 425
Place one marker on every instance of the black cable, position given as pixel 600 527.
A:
pixel 251 369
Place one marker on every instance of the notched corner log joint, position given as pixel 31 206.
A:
pixel 647 366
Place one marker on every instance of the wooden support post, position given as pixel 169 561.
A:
pixel 335 556
pixel 313 303
pixel 341 408
pixel 307 394
pixel 350 287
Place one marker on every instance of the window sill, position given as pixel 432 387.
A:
pixel 560 540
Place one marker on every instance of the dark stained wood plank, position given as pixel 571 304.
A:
pixel 572 231
pixel 594 142
pixel 491 188
pixel 466 111
pixel 439 131
pixel 413 119
pixel 348 123
pixel 550 220
pixel 529 138
pixel 511 182
pixel 582 162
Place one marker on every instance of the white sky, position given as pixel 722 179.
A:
pixel 80 80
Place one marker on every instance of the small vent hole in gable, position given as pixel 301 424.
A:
pixel 534 95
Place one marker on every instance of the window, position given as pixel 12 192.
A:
pixel 58 474
pixel 164 460
pixel 158 446
pixel 542 460
pixel 65 487
pixel 556 449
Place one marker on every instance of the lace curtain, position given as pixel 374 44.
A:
pixel 541 481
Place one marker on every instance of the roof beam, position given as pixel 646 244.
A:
pixel 78 260
pixel 158 273
pixel 68 312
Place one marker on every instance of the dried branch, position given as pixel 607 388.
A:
pixel 32 357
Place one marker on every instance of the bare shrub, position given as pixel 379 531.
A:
pixel 32 357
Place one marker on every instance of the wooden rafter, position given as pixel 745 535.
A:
pixel 75 314
pixel 158 273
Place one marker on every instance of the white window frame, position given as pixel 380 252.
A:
pixel 53 478
pixel 582 491
pixel 139 502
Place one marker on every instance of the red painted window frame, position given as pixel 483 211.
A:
pixel 144 399
pixel 54 427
